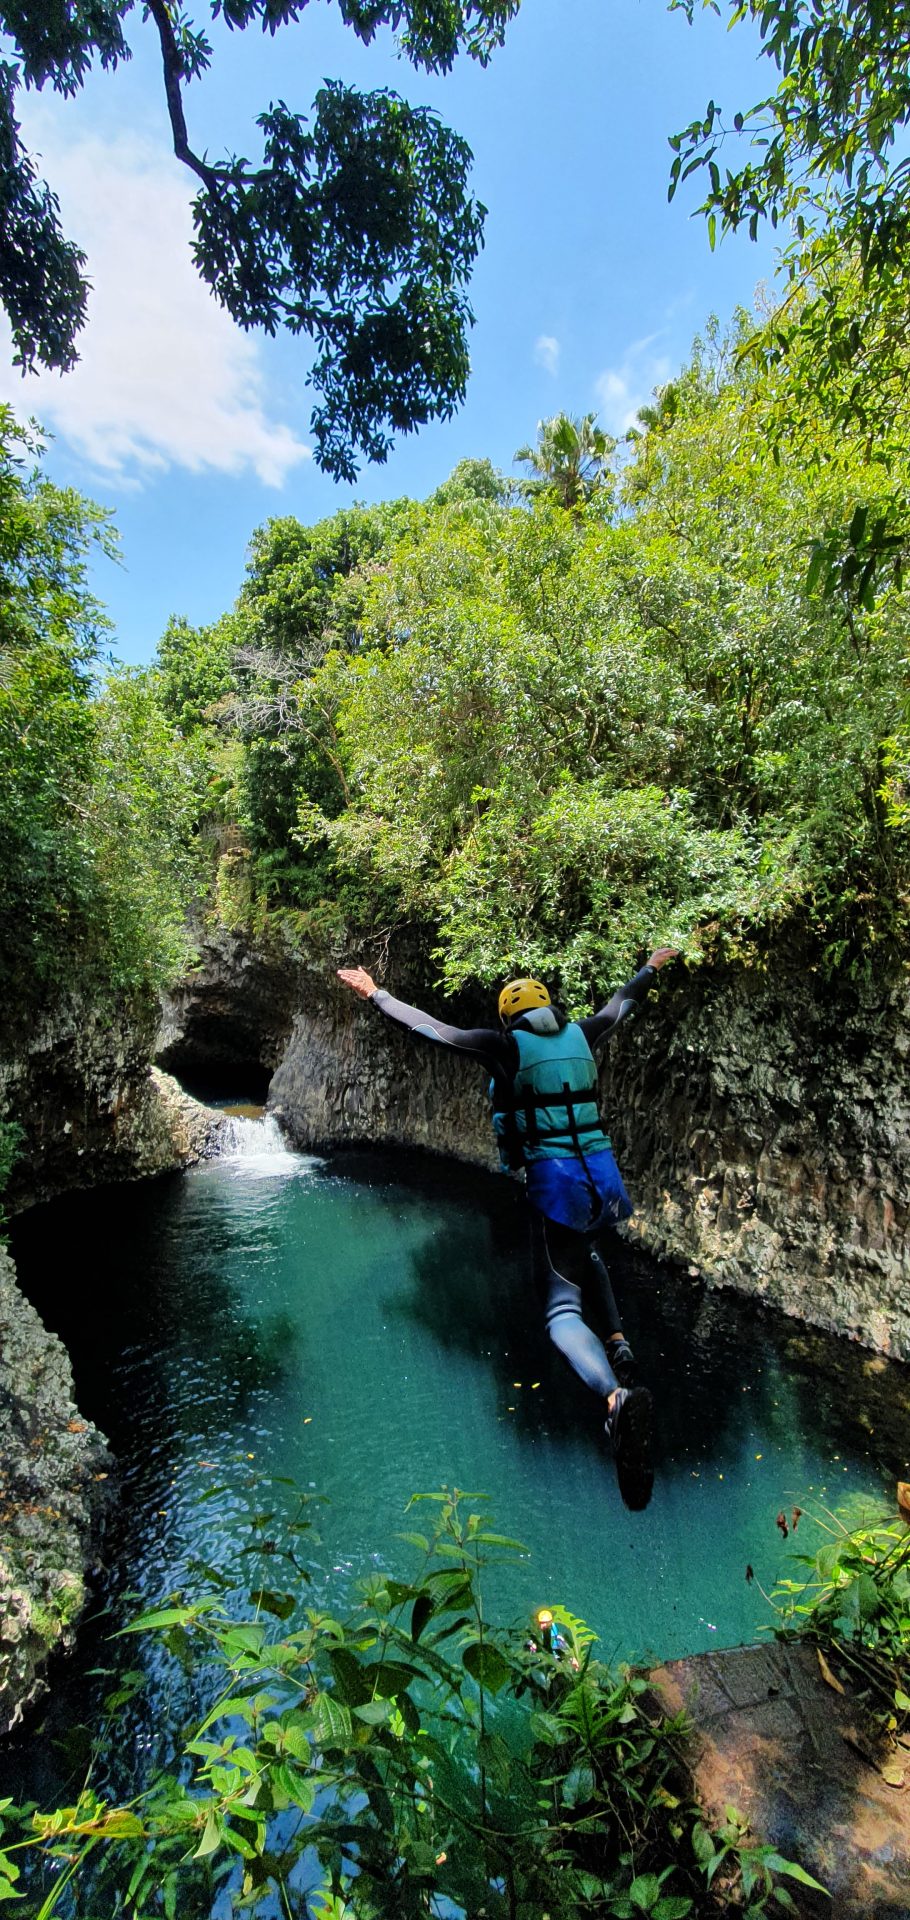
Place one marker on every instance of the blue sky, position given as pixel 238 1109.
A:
pixel 588 292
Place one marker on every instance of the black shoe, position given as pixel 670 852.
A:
pixel 630 1426
pixel 622 1360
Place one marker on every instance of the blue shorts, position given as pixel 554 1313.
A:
pixel 561 1190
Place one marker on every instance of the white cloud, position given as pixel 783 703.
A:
pixel 621 390
pixel 165 378
pixel 546 353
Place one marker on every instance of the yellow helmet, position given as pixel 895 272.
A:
pixel 520 996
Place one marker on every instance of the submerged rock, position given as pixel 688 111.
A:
pixel 55 1473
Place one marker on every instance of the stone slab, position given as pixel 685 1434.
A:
pixel 770 1739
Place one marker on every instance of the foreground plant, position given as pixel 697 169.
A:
pixel 411 1761
pixel 854 1604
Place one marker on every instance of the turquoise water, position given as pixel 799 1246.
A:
pixel 364 1326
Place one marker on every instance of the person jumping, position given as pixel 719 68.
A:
pixel 543 1095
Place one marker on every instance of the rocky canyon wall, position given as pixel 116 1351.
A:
pixel 761 1119
pixel 79 1083
pixel 54 1469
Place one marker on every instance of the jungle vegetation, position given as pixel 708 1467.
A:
pixel 99 795
pixel 410 1760
pixel 821 157
pixel 552 730
pixel 546 726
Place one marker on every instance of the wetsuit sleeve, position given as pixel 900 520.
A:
pixel 599 1024
pixel 488 1044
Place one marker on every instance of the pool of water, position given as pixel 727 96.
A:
pixel 363 1327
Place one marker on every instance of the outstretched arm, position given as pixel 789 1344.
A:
pixel 489 1044
pixel 599 1024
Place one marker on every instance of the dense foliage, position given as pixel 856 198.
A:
pixel 852 1599
pixel 410 1760
pixel 822 157
pixel 559 736
pixel 98 795
pixel 355 226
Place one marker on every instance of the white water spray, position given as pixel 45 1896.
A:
pixel 258 1148
pixel 242 1136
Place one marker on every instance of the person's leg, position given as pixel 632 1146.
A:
pixel 605 1295
pixel 618 1348
pixel 565 1260
pixel 566 1256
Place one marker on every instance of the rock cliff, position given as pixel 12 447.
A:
pixel 762 1121
pixel 79 1083
pixel 91 1108
pixel 54 1467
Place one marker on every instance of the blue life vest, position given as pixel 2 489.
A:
pixel 552 1107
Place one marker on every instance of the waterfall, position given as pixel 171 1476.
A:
pixel 257 1147
pixel 242 1136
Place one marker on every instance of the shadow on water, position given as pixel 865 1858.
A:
pixel 100 1268
pixel 702 1351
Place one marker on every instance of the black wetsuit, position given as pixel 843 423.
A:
pixel 564 1259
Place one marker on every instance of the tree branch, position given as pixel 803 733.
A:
pixel 174 73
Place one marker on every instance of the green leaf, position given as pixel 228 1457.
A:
pixel 299 1790
pixel 211 1838
pixel 420 1614
pixel 548 1729
pixel 858 526
pixel 578 1787
pixel 374 1712
pixel 485 1664
pixel 702 1844
pixel 644 1892
pixel 164 1617
pixel 494 1754
pixel 817 562
pixel 331 1721
pixel 501 1540
pixel 280 1604
pixel 778 1864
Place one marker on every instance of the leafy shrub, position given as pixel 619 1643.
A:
pixel 410 1761
pixel 854 1603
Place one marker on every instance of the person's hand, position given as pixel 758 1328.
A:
pixel 358 978
pixel 660 956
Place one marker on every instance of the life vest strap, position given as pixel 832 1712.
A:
pixel 569 1133
pixel 566 1097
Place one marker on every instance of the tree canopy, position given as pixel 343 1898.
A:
pixel 99 797
pixel 355 225
pixel 569 459
pixel 555 736
pixel 822 156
